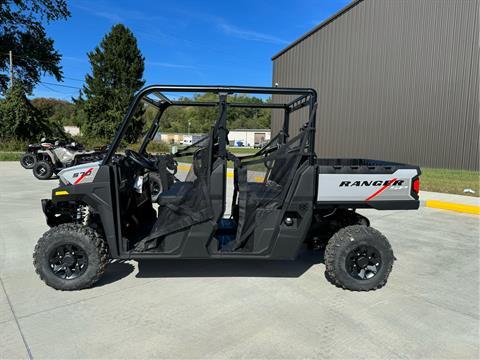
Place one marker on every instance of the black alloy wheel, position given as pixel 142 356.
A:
pixel 68 261
pixel 43 170
pixel 363 262
pixel 27 161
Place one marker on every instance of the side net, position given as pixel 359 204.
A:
pixel 261 182
pixel 187 200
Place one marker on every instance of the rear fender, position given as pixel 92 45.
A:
pixel 45 155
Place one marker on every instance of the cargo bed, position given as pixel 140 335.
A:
pixel 366 183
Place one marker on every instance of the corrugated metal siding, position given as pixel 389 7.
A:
pixel 397 80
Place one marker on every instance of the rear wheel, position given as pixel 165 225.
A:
pixel 70 257
pixel 358 258
pixel 27 161
pixel 43 170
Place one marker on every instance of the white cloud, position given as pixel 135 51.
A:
pixel 169 65
pixel 111 16
pixel 252 35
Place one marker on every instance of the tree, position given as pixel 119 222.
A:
pixel 201 119
pixel 22 32
pixel 117 71
pixel 19 119
pixel 56 110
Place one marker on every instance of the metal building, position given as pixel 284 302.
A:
pixel 249 137
pixel 397 80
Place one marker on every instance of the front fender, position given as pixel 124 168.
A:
pixel 97 195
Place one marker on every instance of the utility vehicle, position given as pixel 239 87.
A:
pixel 283 198
pixel 52 160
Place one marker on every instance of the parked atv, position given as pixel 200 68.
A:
pixel 50 161
pixel 284 197
pixel 29 158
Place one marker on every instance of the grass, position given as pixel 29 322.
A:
pixel 10 156
pixel 450 181
pixel 242 150
pixel 12 145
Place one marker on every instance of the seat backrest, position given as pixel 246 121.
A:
pixel 218 188
pixel 211 170
pixel 287 155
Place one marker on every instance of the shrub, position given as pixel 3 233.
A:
pixel 92 143
pixel 154 147
pixel 13 145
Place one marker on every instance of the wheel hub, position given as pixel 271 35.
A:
pixel 363 262
pixel 68 261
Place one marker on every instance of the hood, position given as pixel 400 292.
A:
pixel 79 174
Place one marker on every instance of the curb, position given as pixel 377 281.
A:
pixel 443 205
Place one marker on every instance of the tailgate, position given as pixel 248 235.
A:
pixel 384 186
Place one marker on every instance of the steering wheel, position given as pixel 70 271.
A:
pixel 140 160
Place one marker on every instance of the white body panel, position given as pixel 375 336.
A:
pixel 80 174
pixel 338 187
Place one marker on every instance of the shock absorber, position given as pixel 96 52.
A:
pixel 82 214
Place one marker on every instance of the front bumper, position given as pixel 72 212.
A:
pixel 60 209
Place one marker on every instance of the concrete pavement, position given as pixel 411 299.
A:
pixel 212 309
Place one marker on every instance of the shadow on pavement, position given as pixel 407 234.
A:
pixel 116 270
pixel 228 267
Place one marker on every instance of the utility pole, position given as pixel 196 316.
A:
pixel 11 68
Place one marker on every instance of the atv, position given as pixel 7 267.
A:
pixel 29 158
pixel 284 198
pixel 52 160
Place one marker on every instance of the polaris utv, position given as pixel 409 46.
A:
pixel 51 160
pixel 283 198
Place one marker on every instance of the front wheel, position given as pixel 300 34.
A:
pixel 358 258
pixel 43 170
pixel 70 257
pixel 27 161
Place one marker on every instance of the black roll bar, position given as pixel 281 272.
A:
pixel 305 96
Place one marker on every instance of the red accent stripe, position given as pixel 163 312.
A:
pixel 382 189
pixel 86 173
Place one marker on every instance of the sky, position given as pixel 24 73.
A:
pixel 186 41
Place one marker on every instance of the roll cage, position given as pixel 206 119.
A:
pixel 154 95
